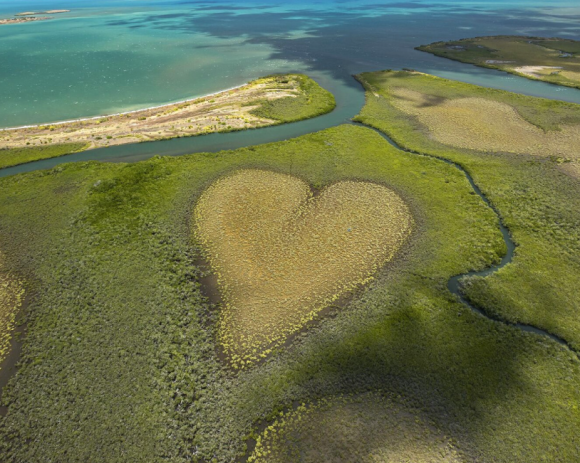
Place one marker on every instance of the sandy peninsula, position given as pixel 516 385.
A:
pixel 25 19
pixel 30 16
pixel 225 111
pixel 32 13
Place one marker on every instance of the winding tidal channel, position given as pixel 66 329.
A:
pixel 454 283
pixel 349 101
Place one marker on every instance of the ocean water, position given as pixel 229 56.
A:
pixel 110 56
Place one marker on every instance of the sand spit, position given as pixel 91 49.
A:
pixel 26 19
pixel 32 13
pixel 224 111
pixel 30 16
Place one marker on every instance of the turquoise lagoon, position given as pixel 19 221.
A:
pixel 125 55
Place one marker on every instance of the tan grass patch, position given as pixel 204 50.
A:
pixel 487 125
pixel 571 168
pixel 11 298
pixel 572 75
pixel 364 429
pixel 281 255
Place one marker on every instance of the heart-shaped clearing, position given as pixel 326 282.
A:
pixel 281 254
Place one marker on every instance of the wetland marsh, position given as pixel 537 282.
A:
pixel 367 300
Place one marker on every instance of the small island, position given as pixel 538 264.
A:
pixel 32 13
pixel 30 16
pixel 25 19
pixel 553 60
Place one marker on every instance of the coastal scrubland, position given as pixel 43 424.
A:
pixel 283 255
pixel 363 428
pixel 264 102
pixel 121 360
pixel 554 60
pixel 521 151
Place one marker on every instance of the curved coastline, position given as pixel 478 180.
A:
pixel 124 113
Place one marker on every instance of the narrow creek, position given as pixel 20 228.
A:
pixel 454 283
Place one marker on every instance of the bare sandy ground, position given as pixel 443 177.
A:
pixel 535 71
pixel 225 111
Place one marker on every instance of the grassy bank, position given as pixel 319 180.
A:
pixel 311 101
pixel 121 363
pixel 267 101
pixel 15 156
pixel 536 195
pixel 553 60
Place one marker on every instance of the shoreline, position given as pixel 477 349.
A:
pixel 241 107
pixel 92 118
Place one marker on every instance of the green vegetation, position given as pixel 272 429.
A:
pixel 311 101
pixel 537 196
pixel 120 362
pixel 282 255
pixel 553 60
pixel 16 156
pixel 563 45
pixel 365 428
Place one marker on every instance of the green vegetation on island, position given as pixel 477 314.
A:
pixel 489 132
pixel 312 101
pixel 554 60
pixel 121 360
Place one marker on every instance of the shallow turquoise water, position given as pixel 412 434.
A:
pixel 125 55
pixel 131 54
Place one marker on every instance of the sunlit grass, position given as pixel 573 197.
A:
pixel 16 156
pixel 267 101
pixel 120 361
pixel 488 125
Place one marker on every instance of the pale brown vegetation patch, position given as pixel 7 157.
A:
pixel 368 428
pixel 487 125
pixel 572 75
pixel 11 298
pixel 281 254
